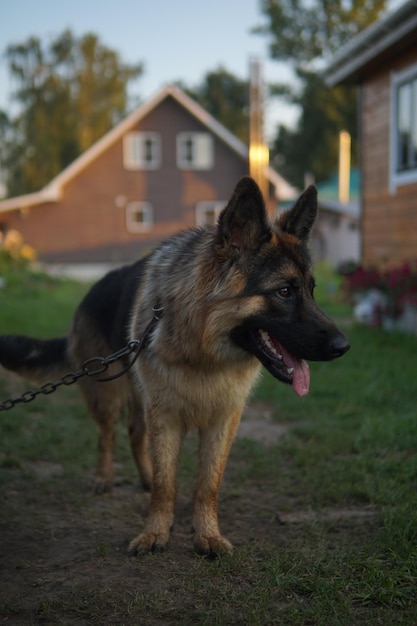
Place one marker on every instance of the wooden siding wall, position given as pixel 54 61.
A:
pixel 88 225
pixel 389 221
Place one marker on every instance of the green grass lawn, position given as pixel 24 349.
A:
pixel 351 448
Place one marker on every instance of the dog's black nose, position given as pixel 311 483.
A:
pixel 339 345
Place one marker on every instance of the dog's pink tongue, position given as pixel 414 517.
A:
pixel 301 375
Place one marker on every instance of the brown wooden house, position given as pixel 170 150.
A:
pixel 168 166
pixel 382 61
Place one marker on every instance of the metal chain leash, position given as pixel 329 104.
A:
pixel 91 367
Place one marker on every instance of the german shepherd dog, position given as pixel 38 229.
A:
pixel 233 297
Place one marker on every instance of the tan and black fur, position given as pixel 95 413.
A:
pixel 233 297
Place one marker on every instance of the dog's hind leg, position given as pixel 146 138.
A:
pixel 139 442
pixel 215 442
pixel 105 403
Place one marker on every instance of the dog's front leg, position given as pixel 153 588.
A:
pixel 165 438
pixel 215 442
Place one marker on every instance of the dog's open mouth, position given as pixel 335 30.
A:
pixel 283 365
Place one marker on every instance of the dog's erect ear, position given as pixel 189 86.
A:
pixel 299 220
pixel 243 224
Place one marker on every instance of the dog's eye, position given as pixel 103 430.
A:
pixel 284 292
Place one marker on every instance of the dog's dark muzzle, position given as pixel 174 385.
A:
pixel 338 346
pixel 314 341
pixel 326 345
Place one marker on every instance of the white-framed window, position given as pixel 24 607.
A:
pixel 139 217
pixel 403 149
pixel 142 151
pixel 195 151
pixel 207 212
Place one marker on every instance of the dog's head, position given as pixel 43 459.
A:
pixel 281 324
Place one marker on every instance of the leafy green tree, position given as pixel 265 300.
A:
pixel 69 94
pixel 226 97
pixel 313 146
pixel 306 33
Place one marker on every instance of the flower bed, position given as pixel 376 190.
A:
pixel 386 298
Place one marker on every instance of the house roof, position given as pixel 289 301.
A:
pixel 328 196
pixel 393 33
pixel 53 190
pixel 328 190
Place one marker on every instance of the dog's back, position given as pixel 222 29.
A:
pixel 100 324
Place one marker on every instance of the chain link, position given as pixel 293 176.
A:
pixel 91 367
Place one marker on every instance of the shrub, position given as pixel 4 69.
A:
pixel 14 251
pixel 397 284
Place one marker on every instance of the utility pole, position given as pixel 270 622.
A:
pixel 258 150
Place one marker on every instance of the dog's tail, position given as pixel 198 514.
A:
pixel 38 360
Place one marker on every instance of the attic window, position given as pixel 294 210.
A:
pixel 195 151
pixel 207 212
pixel 404 127
pixel 139 217
pixel 142 151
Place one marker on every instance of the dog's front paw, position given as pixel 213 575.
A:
pixel 212 546
pixel 102 485
pixel 148 542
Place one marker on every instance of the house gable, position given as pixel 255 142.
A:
pixel 104 206
pixel 52 191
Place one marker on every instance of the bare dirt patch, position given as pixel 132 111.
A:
pixel 63 551
pixel 257 424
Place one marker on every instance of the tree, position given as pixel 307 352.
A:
pixel 226 97
pixel 313 146
pixel 69 94
pixel 306 33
